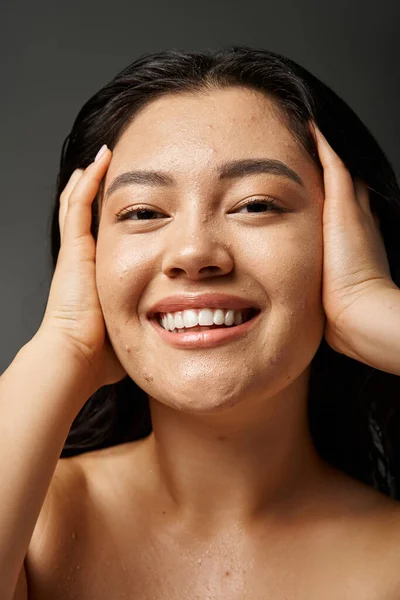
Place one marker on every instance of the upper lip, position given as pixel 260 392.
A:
pixel 207 300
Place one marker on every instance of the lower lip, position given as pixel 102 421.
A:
pixel 203 339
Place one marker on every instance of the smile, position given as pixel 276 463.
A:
pixel 203 328
pixel 203 319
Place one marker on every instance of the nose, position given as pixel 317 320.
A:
pixel 197 252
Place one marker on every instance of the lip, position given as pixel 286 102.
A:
pixel 206 300
pixel 203 339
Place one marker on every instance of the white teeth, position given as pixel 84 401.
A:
pixel 171 322
pixel 178 320
pixel 229 317
pixel 189 318
pixel 205 316
pixel 219 317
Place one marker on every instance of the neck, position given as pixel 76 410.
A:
pixel 236 465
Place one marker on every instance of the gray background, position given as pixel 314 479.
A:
pixel 55 55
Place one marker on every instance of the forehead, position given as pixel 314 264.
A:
pixel 191 132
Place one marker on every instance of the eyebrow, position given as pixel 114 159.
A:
pixel 228 170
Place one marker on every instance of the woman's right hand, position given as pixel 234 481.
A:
pixel 73 315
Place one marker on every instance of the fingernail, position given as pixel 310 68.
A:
pixel 100 152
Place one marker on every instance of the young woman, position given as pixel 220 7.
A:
pixel 198 415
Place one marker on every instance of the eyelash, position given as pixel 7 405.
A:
pixel 271 203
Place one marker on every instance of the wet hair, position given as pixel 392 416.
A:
pixel 353 408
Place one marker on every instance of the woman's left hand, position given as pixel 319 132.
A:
pixel 360 299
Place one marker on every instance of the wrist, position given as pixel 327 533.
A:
pixel 59 367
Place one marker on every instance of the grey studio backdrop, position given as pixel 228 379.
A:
pixel 55 55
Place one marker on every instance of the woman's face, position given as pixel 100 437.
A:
pixel 202 238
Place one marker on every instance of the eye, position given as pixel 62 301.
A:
pixel 144 213
pixel 258 205
pixel 141 213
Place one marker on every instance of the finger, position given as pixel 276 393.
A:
pixel 363 198
pixel 362 195
pixel 78 218
pixel 338 183
pixel 76 175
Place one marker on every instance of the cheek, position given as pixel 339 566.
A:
pixel 300 271
pixel 287 262
pixel 291 269
pixel 123 270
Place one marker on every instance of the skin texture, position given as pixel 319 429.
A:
pixel 232 405
pixel 227 497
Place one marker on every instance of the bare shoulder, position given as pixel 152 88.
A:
pixel 65 492
pixel 54 539
pixel 369 536
pixel 368 509
pixel 85 494
pixel 382 545
pixel 77 486
pixel 88 519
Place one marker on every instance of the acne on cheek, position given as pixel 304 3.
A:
pixel 147 377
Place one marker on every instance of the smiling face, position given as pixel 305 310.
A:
pixel 201 237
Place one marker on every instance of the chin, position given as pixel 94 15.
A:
pixel 200 399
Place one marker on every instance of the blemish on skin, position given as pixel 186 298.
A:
pixel 163 512
pixel 222 438
pixel 73 535
pixel 148 378
pixel 127 349
pixel 227 573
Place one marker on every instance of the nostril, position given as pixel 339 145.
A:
pixel 211 269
